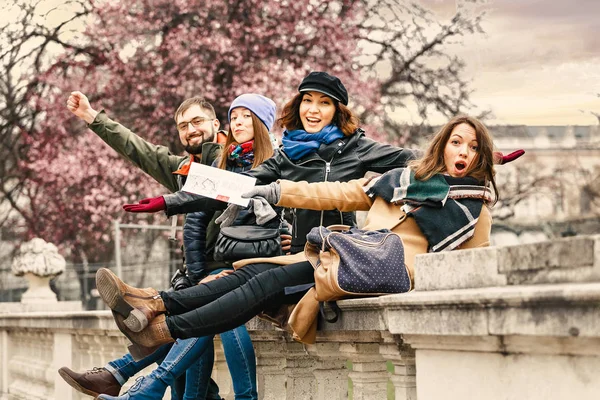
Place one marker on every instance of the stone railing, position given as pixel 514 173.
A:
pixel 520 322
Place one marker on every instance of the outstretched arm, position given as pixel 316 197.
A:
pixel 184 202
pixel 343 196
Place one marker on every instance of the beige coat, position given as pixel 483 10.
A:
pixel 351 196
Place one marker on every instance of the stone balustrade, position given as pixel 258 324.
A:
pixel 519 322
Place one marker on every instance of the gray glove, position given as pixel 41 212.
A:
pixel 271 192
pixel 259 206
pixel 262 210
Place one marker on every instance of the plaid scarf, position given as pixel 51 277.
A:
pixel 446 209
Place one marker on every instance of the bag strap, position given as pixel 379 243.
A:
pixel 334 307
pixel 339 228
pixel 330 229
pixel 322 238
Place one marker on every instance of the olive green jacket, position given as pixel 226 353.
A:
pixel 156 161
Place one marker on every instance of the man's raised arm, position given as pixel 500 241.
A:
pixel 156 161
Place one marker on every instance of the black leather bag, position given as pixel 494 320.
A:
pixel 247 241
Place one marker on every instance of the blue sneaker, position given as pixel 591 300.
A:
pixel 144 388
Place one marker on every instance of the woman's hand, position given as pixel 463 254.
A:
pixel 214 277
pixel 286 243
pixel 150 205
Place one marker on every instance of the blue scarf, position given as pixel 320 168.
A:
pixel 299 143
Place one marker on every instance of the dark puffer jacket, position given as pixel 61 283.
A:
pixel 342 160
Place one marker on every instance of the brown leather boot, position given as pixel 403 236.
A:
pixel 93 382
pixel 149 339
pixel 137 306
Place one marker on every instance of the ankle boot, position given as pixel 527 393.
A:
pixel 91 382
pixel 149 339
pixel 145 388
pixel 137 306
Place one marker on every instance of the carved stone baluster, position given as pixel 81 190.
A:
pixel 270 369
pixel 4 360
pixel 369 374
pixel 62 356
pixel 331 372
pixel 403 357
pixel 299 372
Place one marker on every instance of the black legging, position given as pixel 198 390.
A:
pixel 228 302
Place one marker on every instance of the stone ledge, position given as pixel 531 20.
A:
pixel 62 306
pixel 507 344
pixel 558 261
pixel 567 310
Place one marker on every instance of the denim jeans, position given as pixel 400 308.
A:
pixel 241 361
pixel 184 356
pixel 126 367
pixel 195 357
pixel 196 360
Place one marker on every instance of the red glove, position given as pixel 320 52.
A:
pixel 150 205
pixel 500 158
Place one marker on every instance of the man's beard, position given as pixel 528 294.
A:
pixel 197 148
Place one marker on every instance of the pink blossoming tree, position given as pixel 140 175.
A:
pixel 139 59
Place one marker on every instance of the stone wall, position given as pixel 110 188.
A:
pixel 499 323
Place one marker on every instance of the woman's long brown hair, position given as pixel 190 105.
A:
pixel 263 149
pixel 433 161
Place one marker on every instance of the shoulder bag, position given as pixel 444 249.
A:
pixel 239 242
pixel 351 262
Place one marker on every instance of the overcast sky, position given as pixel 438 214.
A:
pixel 539 62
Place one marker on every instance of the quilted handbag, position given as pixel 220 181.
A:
pixel 351 262
pixel 247 241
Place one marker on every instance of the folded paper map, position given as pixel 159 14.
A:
pixel 218 184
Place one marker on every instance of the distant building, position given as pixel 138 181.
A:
pixel 556 183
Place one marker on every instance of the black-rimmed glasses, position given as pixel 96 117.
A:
pixel 196 123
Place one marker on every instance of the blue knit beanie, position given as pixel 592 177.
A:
pixel 263 107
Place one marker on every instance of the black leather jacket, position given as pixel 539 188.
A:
pixel 343 160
